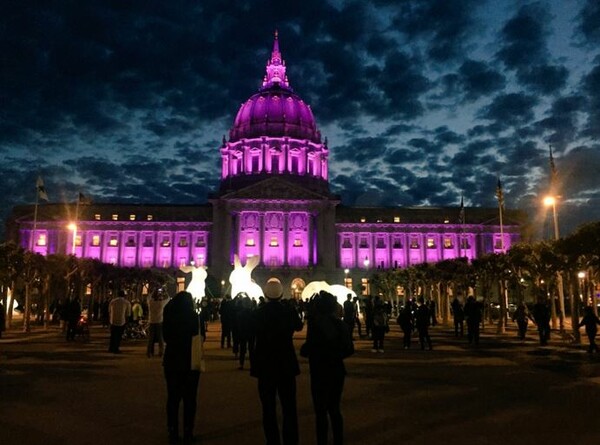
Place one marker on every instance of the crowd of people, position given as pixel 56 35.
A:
pixel 261 333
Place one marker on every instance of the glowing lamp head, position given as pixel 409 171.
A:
pixel 581 275
pixel 72 226
pixel 549 201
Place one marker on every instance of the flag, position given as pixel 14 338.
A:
pixel 461 214
pixel 500 194
pixel 82 199
pixel 553 173
pixel 41 190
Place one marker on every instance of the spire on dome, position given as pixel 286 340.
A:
pixel 276 67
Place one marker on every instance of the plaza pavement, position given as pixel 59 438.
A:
pixel 503 392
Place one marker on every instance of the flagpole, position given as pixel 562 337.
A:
pixel 35 213
pixel 76 222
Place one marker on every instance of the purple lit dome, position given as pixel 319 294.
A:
pixel 275 111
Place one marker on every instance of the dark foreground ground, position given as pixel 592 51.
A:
pixel 503 392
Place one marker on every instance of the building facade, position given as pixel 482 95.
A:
pixel 273 202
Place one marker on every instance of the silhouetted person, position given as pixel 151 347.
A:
pixel 590 321
pixel 72 314
pixel 521 317
pixel 422 321
pixel 379 325
pixel 357 322
pixel 328 342
pixel 432 311
pixel 180 324
pixel 541 316
pixel 458 315
pixel 349 313
pixel 245 329
pixel 2 318
pixel 225 313
pixel 368 315
pixel 405 320
pixel 473 313
pixel 273 361
pixel 156 305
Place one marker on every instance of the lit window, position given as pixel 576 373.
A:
pixel 166 242
pixel 113 241
pixel 78 240
pixel 396 219
pixel 149 217
pixel 132 217
pixel 42 241
pixel 446 221
pixel 448 243
pixel 115 217
pixel 97 217
pixel 96 240
pixel 183 242
pixel 250 242
pixel 430 243
pixel 363 219
pixel 297 242
pixel 365 286
pixel 379 220
pixel 414 242
pixel 274 242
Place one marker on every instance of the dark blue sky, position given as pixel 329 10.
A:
pixel 421 100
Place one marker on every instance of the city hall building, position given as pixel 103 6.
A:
pixel 273 202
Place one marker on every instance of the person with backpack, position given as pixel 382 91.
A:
pixel 380 325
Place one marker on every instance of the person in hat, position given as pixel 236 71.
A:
pixel 274 363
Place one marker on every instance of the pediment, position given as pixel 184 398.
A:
pixel 275 188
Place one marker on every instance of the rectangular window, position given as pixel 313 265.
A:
pixel 132 217
pixel 42 240
pixel 297 242
pixel 414 242
pixel 498 243
pixel 130 241
pixel 149 218
pixel 166 242
pixel 365 286
pixel 346 244
pixel 115 217
pixel 396 219
pixel 96 240
pixel 274 242
pixel 363 243
pixel 250 242
pixel 380 243
pixel 430 243
pixel 363 219
pixel 397 243
pixel 78 240
pixel 182 242
pixel 200 242
pixel 113 241
pixel 97 217
pixel 148 241
pixel 464 243
pixel 448 243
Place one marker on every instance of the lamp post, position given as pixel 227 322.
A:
pixel 346 272
pixel 73 227
pixel 582 293
pixel 366 262
pixel 550 201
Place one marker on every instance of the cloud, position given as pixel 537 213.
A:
pixel 588 28
pixel 510 109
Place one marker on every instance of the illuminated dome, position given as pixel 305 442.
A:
pixel 274 134
pixel 275 111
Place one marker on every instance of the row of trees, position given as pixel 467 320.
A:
pixel 36 281
pixel 545 270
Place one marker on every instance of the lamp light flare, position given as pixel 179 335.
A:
pixel 549 201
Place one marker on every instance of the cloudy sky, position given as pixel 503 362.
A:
pixel 421 100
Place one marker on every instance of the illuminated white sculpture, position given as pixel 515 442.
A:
pixel 241 278
pixel 198 282
pixel 339 291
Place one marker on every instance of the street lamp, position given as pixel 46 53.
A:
pixel 366 262
pixel 582 293
pixel 73 227
pixel 550 201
